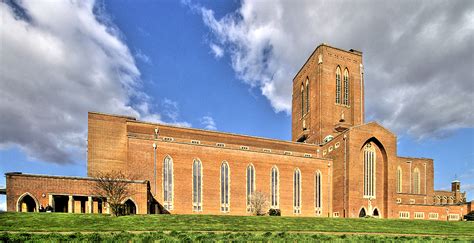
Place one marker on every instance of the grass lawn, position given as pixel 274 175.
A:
pixel 226 228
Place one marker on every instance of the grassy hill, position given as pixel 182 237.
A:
pixel 208 227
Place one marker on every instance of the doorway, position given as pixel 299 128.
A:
pixel 130 207
pixel 376 213
pixel 27 204
pixel 61 203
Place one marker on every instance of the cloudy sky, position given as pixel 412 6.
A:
pixel 191 63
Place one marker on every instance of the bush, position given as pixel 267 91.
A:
pixel 469 216
pixel 274 212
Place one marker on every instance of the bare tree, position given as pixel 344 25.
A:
pixel 258 203
pixel 114 186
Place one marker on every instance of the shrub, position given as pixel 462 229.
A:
pixel 274 212
pixel 258 203
pixel 469 216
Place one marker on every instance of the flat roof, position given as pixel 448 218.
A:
pixel 114 115
pixel 63 177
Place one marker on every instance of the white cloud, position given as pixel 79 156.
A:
pixel 143 57
pixel 59 60
pixel 216 50
pixel 208 123
pixel 418 55
pixel 171 109
pixel 469 189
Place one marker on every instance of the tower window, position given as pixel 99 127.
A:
pixel 346 87
pixel 168 183
pixel 307 95
pixel 302 100
pixel 369 171
pixel 338 85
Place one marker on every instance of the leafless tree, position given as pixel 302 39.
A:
pixel 258 203
pixel 114 186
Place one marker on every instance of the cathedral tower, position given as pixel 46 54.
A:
pixel 328 94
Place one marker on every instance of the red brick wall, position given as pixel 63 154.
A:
pixel 335 150
pixel 443 211
pixel 107 143
pixel 425 166
pixel 141 160
pixel 18 184
pixel 356 137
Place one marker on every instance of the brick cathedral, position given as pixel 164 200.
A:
pixel 336 165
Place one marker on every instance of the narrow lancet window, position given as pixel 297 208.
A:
pixel 250 186
pixel 297 191
pixel 307 95
pixel 302 100
pixel 369 171
pixel 225 187
pixel 168 183
pixel 416 181
pixel 399 179
pixel 318 202
pixel 338 85
pixel 346 87
pixel 197 185
pixel 274 187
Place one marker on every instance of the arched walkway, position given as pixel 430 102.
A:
pixel 130 207
pixel 376 213
pixel 362 213
pixel 27 203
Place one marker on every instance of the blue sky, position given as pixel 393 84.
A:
pixel 227 65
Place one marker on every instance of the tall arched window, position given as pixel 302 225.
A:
pixel 369 171
pixel 338 85
pixel 197 185
pixel 250 186
pixel 168 183
pixel 416 181
pixel 307 95
pixel 346 87
pixel 297 191
pixel 399 179
pixel 302 100
pixel 225 187
pixel 318 201
pixel 275 187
